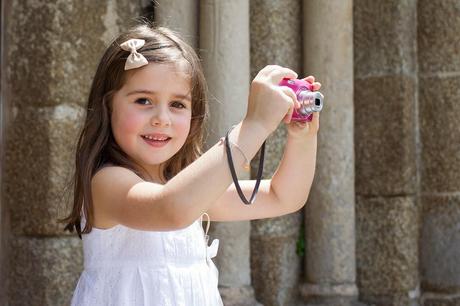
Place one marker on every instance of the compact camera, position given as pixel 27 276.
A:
pixel 310 101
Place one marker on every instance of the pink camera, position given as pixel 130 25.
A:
pixel 310 101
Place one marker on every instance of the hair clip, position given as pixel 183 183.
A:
pixel 135 59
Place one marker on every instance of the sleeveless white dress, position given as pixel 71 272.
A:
pixel 128 267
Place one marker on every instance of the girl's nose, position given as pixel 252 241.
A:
pixel 161 119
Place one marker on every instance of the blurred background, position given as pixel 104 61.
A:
pixel 382 223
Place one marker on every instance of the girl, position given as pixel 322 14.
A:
pixel 142 183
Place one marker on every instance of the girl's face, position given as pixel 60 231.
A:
pixel 151 114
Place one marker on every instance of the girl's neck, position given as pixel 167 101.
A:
pixel 153 174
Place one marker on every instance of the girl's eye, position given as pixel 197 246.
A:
pixel 143 101
pixel 178 104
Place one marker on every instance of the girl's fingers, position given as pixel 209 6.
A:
pixel 310 79
pixel 315 119
pixel 316 86
pixel 287 118
pixel 270 70
pixel 276 75
pixel 293 103
pixel 291 94
pixel 265 72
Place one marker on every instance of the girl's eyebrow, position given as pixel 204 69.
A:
pixel 150 92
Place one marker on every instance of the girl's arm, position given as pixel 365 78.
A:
pixel 293 179
pixel 289 187
pixel 121 197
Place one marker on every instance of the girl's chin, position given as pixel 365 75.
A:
pixel 154 163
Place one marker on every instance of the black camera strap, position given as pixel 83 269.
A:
pixel 233 172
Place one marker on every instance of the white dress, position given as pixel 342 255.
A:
pixel 128 267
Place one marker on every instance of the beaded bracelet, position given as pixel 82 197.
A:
pixel 233 172
pixel 246 165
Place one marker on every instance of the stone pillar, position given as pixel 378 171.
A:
pixel 330 212
pixel 275 265
pixel 224 45
pixel 181 16
pixel 386 156
pixel 439 84
pixel 4 110
pixel 52 54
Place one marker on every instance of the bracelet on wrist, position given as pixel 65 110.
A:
pixel 233 172
pixel 247 164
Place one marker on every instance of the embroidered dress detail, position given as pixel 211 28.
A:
pixel 124 266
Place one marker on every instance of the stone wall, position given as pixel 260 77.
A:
pixel 385 145
pixel 275 39
pixel 439 97
pixel 52 51
pixel 407 151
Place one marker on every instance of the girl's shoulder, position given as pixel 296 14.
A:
pixel 113 179
pixel 108 172
pixel 110 186
pixel 120 196
pixel 106 165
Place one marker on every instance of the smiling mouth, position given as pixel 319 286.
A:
pixel 152 138
pixel 156 142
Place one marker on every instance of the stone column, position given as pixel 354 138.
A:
pixel 4 110
pixel 52 54
pixel 439 92
pixel 386 158
pixel 275 265
pixel 224 45
pixel 181 16
pixel 330 212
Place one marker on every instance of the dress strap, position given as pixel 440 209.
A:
pixel 208 223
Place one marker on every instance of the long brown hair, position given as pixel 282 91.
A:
pixel 96 145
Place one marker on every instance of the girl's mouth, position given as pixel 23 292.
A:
pixel 156 141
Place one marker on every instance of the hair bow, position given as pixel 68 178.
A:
pixel 135 59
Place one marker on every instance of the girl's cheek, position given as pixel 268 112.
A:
pixel 184 123
pixel 131 122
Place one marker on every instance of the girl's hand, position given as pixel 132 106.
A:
pixel 268 102
pixel 303 129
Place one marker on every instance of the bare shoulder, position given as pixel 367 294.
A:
pixel 109 186
pixel 111 175
pixel 112 181
pixel 120 196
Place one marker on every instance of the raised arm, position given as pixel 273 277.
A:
pixel 289 187
pixel 293 178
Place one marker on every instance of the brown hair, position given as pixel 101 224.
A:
pixel 96 145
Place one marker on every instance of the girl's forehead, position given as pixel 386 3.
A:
pixel 158 76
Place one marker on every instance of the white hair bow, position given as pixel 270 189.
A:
pixel 135 59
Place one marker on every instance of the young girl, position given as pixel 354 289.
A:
pixel 142 184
